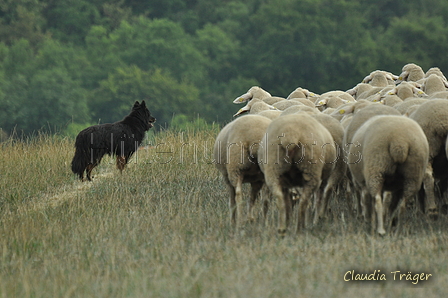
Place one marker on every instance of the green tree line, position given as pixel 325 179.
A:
pixel 80 62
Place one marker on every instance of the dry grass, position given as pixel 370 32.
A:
pixel 162 230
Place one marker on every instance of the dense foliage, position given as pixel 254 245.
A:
pixel 79 62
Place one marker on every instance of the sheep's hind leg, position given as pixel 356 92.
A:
pixel 379 213
pixel 278 196
pixel 430 203
pixel 255 189
pixel 232 204
pixel 266 201
pixel 239 200
pixel 303 206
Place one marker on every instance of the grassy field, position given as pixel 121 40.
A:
pixel 162 230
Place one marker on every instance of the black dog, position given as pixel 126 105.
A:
pixel 120 139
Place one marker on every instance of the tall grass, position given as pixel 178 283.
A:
pixel 162 229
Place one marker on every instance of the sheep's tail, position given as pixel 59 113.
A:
pixel 399 151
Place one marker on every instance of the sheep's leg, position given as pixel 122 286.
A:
pixel 430 203
pixel 322 204
pixel 350 200
pixel 288 204
pixel 278 196
pixel 379 213
pixel 307 192
pixel 317 206
pixel 255 189
pixel 357 201
pixel 398 213
pixel 364 204
pixel 239 200
pixel 266 201
pixel 232 204
pixel 387 200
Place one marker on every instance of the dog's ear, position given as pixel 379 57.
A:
pixel 143 104
pixel 136 104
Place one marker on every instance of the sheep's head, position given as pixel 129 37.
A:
pixel 255 105
pixel 253 92
pixel 243 98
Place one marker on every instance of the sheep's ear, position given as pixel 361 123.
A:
pixel 419 92
pixel 321 102
pixel 393 91
pixel 242 110
pixel 347 110
pixel 243 98
pixel 352 91
pixel 367 79
pixel 310 94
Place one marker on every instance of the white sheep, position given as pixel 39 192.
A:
pixel 299 152
pixel 235 155
pixel 301 93
pixel 255 106
pixel 359 89
pixel 349 108
pixel 440 94
pixel 388 154
pixel 328 111
pixel 338 93
pixel 436 71
pixel 271 114
pixel 362 116
pixel 433 84
pixel 299 108
pixel 273 99
pixel 336 177
pixel 390 100
pixel 405 105
pixel 253 92
pixel 369 92
pixel 330 102
pixel 306 101
pixel 380 78
pixel 432 116
pixel 284 104
pixel 359 118
pixel 406 90
pixel 411 72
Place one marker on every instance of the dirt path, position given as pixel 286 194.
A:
pixel 64 193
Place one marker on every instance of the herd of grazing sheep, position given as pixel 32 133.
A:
pixel 383 143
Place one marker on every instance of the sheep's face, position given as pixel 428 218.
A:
pixel 243 98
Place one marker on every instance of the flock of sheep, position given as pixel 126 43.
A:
pixel 383 142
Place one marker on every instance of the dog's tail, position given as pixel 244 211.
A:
pixel 81 158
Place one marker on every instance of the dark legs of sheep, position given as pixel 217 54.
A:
pixel 238 201
pixel 280 198
pixel 322 198
pixel 232 204
pixel 255 189
pixel 307 193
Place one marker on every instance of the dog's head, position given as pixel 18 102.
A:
pixel 149 120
